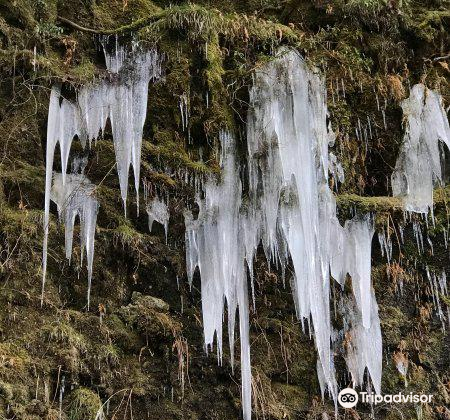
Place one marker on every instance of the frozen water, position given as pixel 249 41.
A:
pixel 64 123
pixel 438 285
pixel 214 245
pixel 291 211
pixel 418 166
pixel 385 245
pixel 157 210
pixel 288 161
pixel 75 198
pixel 363 345
pixel 122 100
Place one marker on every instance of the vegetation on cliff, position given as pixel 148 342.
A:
pixel 138 352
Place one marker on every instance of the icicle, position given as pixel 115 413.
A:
pixel 34 58
pixel 438 285
pixel 358 263
pixel 369 124
pixel 292 212
pixel 418 166
pixel 183 104
pixel 115 61
pixel 158 210
pixel 62 387
pixel 363 345
pixel 123 101
pixel 417 230
pixel 442 280
pixel 75 198
pixel 431 245
pixel 288 181
pixel 214 245
pixel 336 169
pixel 385 245
pixel 401 229
pixel 63 125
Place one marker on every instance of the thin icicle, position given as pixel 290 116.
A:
pixel 363 345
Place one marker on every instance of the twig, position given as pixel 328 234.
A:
pixel 79 27
pixel 130 27
pixel 9 255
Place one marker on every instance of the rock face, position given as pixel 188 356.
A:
pixel 155 86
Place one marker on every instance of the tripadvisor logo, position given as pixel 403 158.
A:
pixel 348 398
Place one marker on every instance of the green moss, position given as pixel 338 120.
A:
pixel 150 316
pixel 84 404
pixel 174 153
pixel 108 13
pixel 16 360
pixel 384 204
pixel 359 43
pixel 6 391
pixel 393 322
pixel 62 333
pixel 291 400
pixel 84 72
pixel 368 204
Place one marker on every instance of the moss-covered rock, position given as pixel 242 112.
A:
pixel 84 405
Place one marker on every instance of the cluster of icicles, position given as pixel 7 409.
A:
pixel 291 211
pixel 122 99
pixel 288 208
pixel 418 168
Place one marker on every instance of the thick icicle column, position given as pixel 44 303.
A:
pixel 288 141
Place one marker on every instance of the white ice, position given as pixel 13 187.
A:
pixel 291 211
pixel 363 345
pixel 158 211
pixel 418 166
pixel 123 100
pixel 75 198
pixel 288 161
pixel 214 245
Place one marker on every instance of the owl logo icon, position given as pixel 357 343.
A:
pixel 348 398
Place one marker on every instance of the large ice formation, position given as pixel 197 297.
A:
pixel 418 166
pixel 291 211
pixel 122 99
